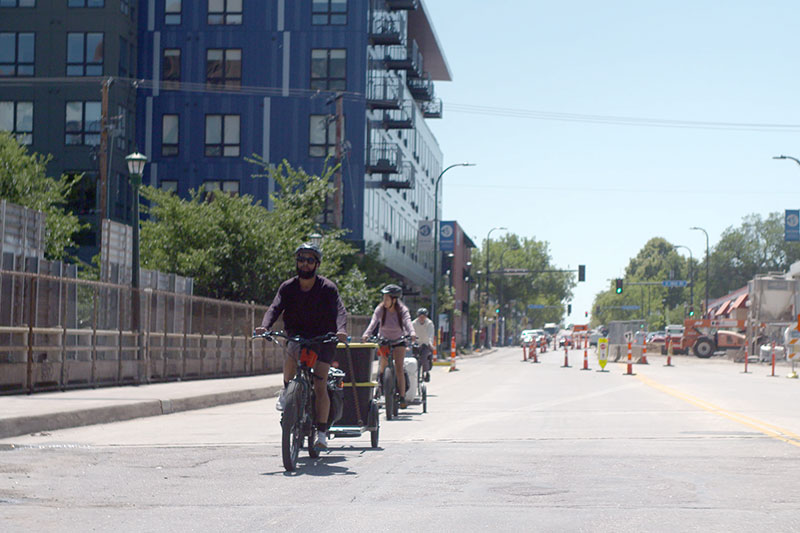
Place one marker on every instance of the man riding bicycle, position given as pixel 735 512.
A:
pixel 311 307
pixel 423 327
pixel 392 320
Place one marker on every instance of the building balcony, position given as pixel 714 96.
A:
pixel 407 58
pixel 402 5
pixel 421 88
pixel 384 158
pixel 398 119
pixel 403 180
pixel 432 109
pixel 384 91
pixel 385 30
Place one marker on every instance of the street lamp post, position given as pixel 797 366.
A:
pixel 486 285
pixel 136 162
pixel 467 282
pixel 691 274
pixel 705 309
pixel 787 157
pixel 435 302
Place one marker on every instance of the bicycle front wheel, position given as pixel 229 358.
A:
pixel 292 426
pixel 388 393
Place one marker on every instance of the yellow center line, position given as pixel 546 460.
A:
pixel 770 430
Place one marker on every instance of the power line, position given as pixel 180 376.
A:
pixel 500 112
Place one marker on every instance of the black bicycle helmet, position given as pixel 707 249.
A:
pixel 311 248
pixel 422 311
pixel 392 290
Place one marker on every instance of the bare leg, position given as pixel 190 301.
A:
pixel 323 403
pixel 399 353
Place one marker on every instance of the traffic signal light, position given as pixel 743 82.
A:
pixel 569 309
pixel 586 314
pixel 619 285
pixel 581 272
pixel 497 311
pixel 691 310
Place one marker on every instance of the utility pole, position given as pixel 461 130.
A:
pixel 104 149
pixel 337 178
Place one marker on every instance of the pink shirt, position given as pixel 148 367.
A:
pixel 392 328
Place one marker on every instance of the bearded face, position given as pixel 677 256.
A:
pixel 306 266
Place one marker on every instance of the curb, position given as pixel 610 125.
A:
pixel 24 425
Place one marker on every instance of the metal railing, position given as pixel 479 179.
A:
pixel 60 333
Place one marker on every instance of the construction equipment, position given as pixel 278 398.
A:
pixel 707 335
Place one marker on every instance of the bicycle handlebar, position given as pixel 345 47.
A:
pixel 303 341
pixel 383 341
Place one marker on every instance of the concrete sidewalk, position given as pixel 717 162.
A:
pixel 25 414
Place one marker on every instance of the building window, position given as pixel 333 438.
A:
pixel 222 136
pixel 17 119
pixel 17 3
pixel 224 67
pixel 83 123
pixel 322 135
pixel 170 135
pixel 224 11
pixel 172 12
pixel 229 186
pixel 16 54
pixel 171 67
pixel 328 69
pixel 84 54
pixel 169 186
pixel 121 128
pixel 123 58
pixel 86 3
pixel 325 12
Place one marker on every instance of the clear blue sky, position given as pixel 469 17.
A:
pixel 597 191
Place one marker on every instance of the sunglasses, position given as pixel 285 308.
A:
pixel 306 259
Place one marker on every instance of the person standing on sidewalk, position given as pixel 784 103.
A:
pixel 423 327
pixel 311 306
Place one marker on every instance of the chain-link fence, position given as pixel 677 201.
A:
pixel 58 333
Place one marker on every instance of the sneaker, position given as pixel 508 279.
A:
pixel 427 376
pixel 322 441
pixel 403 404
pixel 281 403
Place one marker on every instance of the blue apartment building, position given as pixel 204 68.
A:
pixel 222 80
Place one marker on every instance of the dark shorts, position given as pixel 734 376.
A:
pixel 325 351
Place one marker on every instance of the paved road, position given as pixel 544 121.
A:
pixel 506 446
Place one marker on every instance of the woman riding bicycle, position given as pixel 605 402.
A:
pixel 392 321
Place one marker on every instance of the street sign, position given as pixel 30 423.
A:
pixel 515 272
pixel 535 306
pixel 602 352
pixel 791 228
pixel 675 283
pixel 629 307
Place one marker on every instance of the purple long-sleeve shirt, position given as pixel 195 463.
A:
pixel 308 314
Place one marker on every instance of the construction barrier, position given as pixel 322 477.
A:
pixel 566 355
pixel 746 358
pixel 586 354
pixel 524 352
pixel 535 359
pixel 630 362
pixel 669 352
pixel 773 360
pixel 453 354
pixel 643 360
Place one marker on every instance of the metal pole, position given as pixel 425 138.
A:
pixel 691 274
pixel 435 298
pixel 486 287
pixel 705 309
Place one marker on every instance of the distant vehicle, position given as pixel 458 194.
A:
pixel 526 335
pixel 551 328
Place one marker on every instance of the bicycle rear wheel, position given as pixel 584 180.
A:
pixel 291 426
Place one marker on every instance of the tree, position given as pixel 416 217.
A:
pixel 238 250
pixel 755 247
pixel 24 181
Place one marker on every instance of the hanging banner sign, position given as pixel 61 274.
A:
pixel 425 236
pixel 447 236
pixel 792 225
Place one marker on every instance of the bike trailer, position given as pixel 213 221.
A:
pixel 359 410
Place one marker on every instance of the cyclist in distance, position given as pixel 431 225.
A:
pixel 311 307
pixel 423 328
pixel 392 320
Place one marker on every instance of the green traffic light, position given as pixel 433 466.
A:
pixel 619 290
